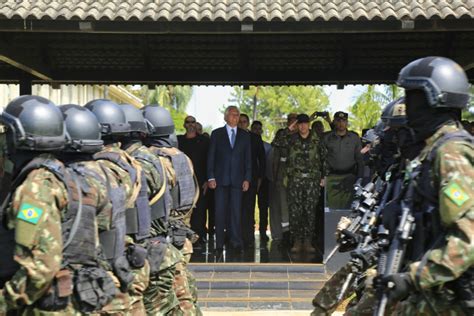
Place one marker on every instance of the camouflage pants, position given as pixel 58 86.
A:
pixel 363 307
pixel 417 305
pixel 184 283
pixel 325 302
pixel 303 195
pixel 159 297
pixel 140 283
pixel 340 191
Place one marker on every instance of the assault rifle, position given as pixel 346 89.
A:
pixel 360 193
pixel 397 249
pixel 365 253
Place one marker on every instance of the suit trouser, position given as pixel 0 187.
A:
pixel 211 211
pixel 263 204
pixel 228 215
pixel 248 213
pixel 279 210
pixel 198 218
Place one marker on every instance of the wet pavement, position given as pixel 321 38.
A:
pixel 271 251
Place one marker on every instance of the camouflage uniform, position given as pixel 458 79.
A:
pixel 35 214
pixel 306 168
pixel 133 300
pixel 279 171
pixel 184 284
pixel 325 302
pixel 452 172
pixel 159 297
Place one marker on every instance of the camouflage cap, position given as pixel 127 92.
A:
pixel 341 115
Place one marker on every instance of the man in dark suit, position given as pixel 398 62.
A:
pixel 258 172
pixel 229 171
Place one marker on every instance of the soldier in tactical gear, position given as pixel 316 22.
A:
pixel 159 297
pixel 128 173
pixel 30 214
pixel 184 192
pixel 439 256
pixel 90 210
pixel 393 123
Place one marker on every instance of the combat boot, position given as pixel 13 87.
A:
pixel 308 247
pixel 297 246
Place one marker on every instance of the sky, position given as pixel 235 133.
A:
pixel 208 100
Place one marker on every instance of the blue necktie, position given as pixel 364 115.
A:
pixel 232 138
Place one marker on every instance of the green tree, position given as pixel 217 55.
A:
pixel 173 98
pixel 366 110
pixel 274 103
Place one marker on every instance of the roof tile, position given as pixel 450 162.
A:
pixel 167 10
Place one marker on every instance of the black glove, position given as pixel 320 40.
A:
pixel 365 257
pixel 348 241
pixel 397 286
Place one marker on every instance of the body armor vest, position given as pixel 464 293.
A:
pixel 160 209
pixel 77 222
pixel 113 240
pixel 185 190
pixel 425 204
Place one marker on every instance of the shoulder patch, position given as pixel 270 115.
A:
pixel 29 213
pixel 456 194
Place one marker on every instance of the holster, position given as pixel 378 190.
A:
pixel 136 256
pixel 58 295
pixel 93 289
pixel 122 271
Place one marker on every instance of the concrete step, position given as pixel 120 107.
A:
pixel 258 286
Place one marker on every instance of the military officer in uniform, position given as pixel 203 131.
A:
pixel 345 163
pixel 279 219
pixel 306 170
pixel 440 194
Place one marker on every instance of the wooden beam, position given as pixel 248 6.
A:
pixel 22 61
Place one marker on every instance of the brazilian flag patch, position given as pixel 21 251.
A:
pixel 456 194
pixel 30 213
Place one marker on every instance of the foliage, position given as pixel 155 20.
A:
pixel 274 103
pixel 174 98
pixel 368 105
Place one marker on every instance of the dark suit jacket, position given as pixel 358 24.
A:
pixel 258 156
pixel 229 166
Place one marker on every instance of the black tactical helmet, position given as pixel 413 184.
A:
pixel 34 123
pixel 394 114
pixel 135 118
pixel 110 116
pixel 82 129
pixel 443 81
pixel 160 119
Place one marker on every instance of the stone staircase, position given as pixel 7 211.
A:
pixel 257 286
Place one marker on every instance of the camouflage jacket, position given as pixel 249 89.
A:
pixel 153 178
pixel 35 213
pixel 306 157
pixel 453 174
pixel 280 154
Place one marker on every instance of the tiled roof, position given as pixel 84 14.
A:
pixel 235 10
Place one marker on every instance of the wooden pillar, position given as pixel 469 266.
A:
pixel 25 86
